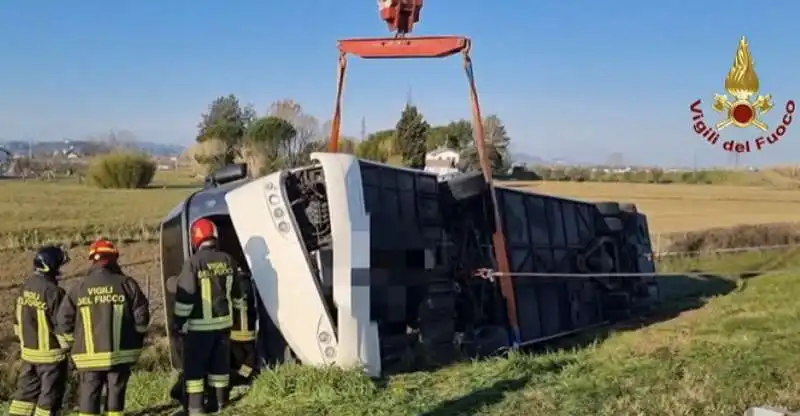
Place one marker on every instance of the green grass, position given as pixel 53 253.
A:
pixel 732 352
pixel 67 212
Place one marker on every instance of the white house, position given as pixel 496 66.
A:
pixel 442 161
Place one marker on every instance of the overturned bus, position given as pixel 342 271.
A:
pixel 356 263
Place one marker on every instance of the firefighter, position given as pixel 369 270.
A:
pixel 209 288
pixel 178 391
pixel 42 378
pixel 103 318
pixel 243 336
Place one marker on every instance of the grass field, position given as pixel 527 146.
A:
pixel 65 211
pixel 706 352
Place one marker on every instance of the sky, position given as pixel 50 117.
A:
pixel 577 79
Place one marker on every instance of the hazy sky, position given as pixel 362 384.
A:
pixel 577 78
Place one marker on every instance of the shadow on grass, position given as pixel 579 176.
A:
pixel 478 399
pixel 175 408
pixel 679 293
pixel 159 409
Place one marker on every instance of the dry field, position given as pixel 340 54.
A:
pixel 680 208
pixel 33 212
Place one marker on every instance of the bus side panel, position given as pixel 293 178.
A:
pixel 545 235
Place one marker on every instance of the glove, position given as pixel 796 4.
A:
pixel 180 327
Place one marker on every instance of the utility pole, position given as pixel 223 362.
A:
pixel 363 128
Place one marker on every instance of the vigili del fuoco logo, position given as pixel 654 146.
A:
pixel 744 108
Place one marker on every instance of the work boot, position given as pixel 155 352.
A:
pixel 176 392
pixel 217 400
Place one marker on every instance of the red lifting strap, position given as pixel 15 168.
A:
pixel 368 48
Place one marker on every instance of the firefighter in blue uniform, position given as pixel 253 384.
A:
pixel 208 290
pixel 42 377
pixel 103 318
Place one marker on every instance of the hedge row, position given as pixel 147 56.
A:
pixel 577 174
pixel 742 236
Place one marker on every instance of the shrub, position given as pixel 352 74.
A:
pixel 122 169
pixel 742 236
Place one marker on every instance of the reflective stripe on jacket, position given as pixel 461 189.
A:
pixel 34 321
pixel 104 319
pixel 244 318
pixel 209 287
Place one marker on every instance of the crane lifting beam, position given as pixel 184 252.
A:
pixel 400 16
pixel 405 47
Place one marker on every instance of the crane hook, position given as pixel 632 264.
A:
pixel 400 15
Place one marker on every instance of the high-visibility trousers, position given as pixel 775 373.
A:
pixel 40 389
pixel 206 359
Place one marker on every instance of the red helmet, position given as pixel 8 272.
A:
pixel 202 230
pixel 103 248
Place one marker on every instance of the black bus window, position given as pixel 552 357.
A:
pixel 172 247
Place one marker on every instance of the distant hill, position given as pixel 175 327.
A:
pixel 85 147
pixel 160 149
pixel 527 159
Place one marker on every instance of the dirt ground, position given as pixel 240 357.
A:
pixel 139 260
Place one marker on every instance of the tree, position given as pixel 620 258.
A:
pixel 370 149
pixel 455 135
pixel 307 130
pixel 266 145
pixel 378 146
pixel 412 133
pixel 497 138
pixel 346 145
pixel 437 137
pixel 207 156
pixel 226 120
pixel 497 142
pixel 459 134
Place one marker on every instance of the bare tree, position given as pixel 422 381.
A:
pixel 306 126
pixel 206 156
pixel 123 139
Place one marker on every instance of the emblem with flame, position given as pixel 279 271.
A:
pixel 742 84
pixel 743 108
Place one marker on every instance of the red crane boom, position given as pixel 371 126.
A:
pixel 400 16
